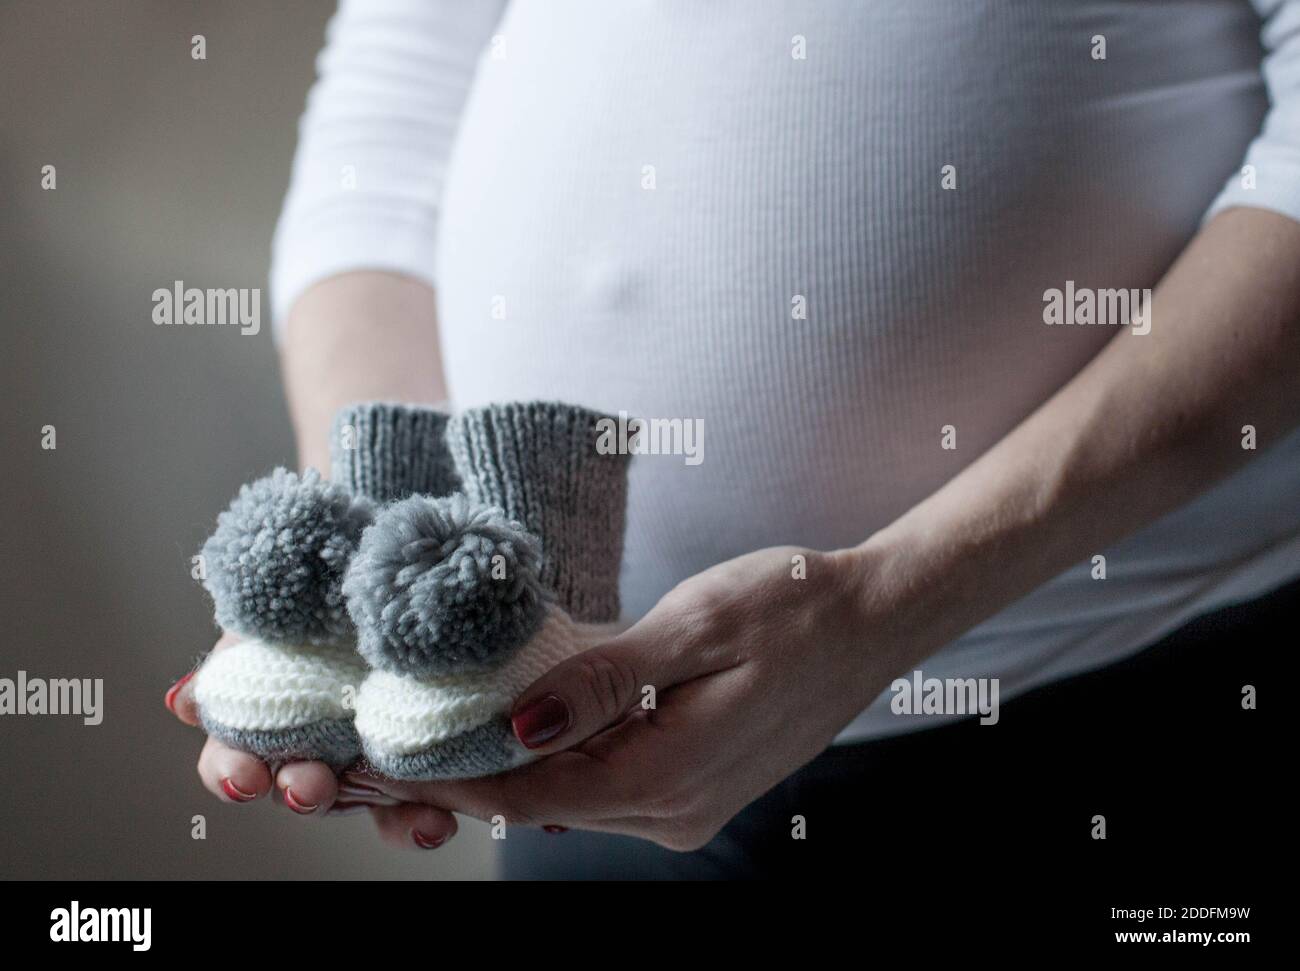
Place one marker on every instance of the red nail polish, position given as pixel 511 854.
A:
pixel 169 699
pixel 542 720
pixel 236 793
pixel 299 807
pixel 556 829
pixel 426 842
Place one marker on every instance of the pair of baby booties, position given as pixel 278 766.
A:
pixel 399 609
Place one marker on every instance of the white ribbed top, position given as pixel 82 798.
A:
pixel 644 188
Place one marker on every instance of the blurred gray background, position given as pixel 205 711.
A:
pixel 168 169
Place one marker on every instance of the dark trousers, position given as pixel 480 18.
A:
pixel 1159 745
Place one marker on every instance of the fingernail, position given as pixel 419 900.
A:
pixel 556 829
pixel 236 793
pixel 299 807
pixel 169 699
pixel 346 809
pixel 426 842
pixel 358 788
pixel 541 721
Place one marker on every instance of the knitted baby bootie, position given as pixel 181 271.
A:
pixel 274 569
pixel 460 603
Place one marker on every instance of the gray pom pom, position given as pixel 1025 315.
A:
pixel 429 595
pixel 275 564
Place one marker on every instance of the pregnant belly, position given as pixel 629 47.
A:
pixel 836 265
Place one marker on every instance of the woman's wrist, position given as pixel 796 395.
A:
pixel 910 596
pixel 860 626
pixel 359 336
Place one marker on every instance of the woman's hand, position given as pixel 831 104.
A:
pixel 358 336
pixel 307 788
pixel 736 678
pixel 238 777
pixel 754 671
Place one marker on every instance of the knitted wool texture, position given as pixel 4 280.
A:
pixel 275 564
pixel 282 702
pixel 538 461
pixel 457 726
pixel 539 464
pixel 275 568
pixel 391 451
pixel 442 586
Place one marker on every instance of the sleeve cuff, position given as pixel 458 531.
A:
pixel 392 244
pixel 1274 185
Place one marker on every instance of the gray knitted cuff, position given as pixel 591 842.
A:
pixel 538 461
pixel 390 451
pixel 333 742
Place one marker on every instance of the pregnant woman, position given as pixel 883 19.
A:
pixel 834 237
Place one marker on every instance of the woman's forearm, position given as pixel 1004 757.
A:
pixel 1150 422
pixel 357 337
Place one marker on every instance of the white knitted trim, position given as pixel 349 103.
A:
pixel 398 715
pixel 256 686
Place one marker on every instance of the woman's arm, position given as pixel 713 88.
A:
pixel 353 337
pixel 1150 422
pixel 361 336
pixel 352 273
pixel 353 260
pixel 755 671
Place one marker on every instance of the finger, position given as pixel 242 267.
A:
pixel 414 827
pixel 307 787
pixel 179 698
pixel 363 794
pixel 231 775
pixel 359 783
pixel 346 808
pixel 631 778
pixel 595 689
pixel 676 756
pixel 668 834
pixel 566 788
